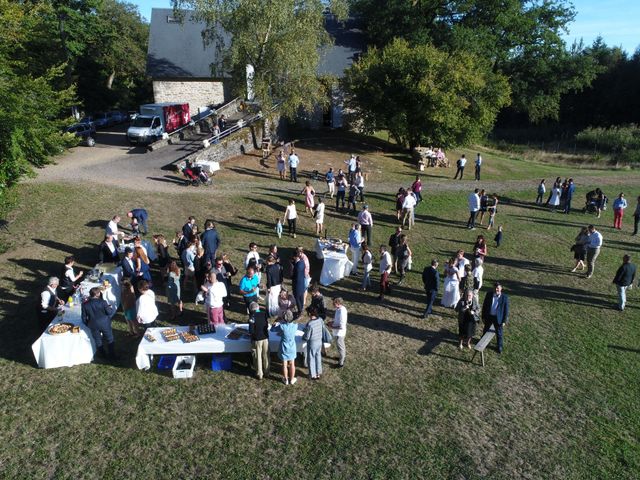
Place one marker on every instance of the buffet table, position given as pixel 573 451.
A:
pixel 336 264
pixel 65 349
pixel 69 349
pixel 208 343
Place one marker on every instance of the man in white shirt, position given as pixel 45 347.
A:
pixel 462 161
pixel 339 327
pixel 294 161
pixel 474 206
pixel 478 166
pixel 112 227
pixel 366 222
pixel 49 302
pixel 352 164
pixel 593 249
pixel 408 205
pixel 385 270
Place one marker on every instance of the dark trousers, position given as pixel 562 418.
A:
pixel 361 194
pixel 46 317
pixel 101 331
pixel 636 220
pixel 351 176
pixel 299 298
pixel 471 223
pixel 493 320
pixel 293 174
pixel 291 222
pixel 477 172
pixel 539 199
pixel 460 171
pixel 366 230
pixel 340 199
pixel 418 196
pixel 431 297
pixel 567 205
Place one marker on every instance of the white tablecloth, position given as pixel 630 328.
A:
pixel 209 343
pixel 336 264
pixel 208 166
pixel 66 349
pixel 112 294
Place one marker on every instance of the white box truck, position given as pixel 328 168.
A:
pixel 156 119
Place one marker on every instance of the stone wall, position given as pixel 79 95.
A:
pixel 197 93
pixel 243 141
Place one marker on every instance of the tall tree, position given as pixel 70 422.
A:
pixel 424 95
pixel 522 39
pixel 280 39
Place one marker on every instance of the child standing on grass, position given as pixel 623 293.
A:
pixel 278 228
pixel 498 237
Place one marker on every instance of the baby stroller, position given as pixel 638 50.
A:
pixel 596 202
pixel 195 176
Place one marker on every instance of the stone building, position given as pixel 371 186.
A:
pixel 180 64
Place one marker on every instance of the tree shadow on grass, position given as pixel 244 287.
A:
pixel 528 265
pixel 87 255
pixel 558 222
pixel 559 294
pixel 623 349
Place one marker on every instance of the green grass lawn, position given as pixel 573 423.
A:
pixel 561 402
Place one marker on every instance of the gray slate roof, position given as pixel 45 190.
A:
pixel 177 50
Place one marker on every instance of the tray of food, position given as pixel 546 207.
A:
pixel 238 333
pixel 149 337
pixel 169 334
pixel 206 328
pixel 189 337
pixel 60 328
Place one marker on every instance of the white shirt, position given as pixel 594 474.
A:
pixel 69 273
pixel 340 322
pixel 320 213
pixel 251 255
pixel 474 202
pixel 461 264
pixel 478 160
pixel 385 262
pixel 45 297
pixel 409 201
pixel 112 228
pixel 290 213
pixel 595 240
pixel 478 272
pixel 360 182
pixel 215 294
pixel 463 161
pixel 112 247
pixel 293 160
pixel 146 307
pixel 352 164
pixel 364 218
pixel 367 259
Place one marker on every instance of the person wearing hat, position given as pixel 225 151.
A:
pixel 128 267
pixel 259 330
pixel 366 222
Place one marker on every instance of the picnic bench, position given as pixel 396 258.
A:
pixel 482 344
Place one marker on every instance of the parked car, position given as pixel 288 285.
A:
pixel 86 131
pixel 99 120
pixel 116 117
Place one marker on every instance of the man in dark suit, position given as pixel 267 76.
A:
pixel 431 281
pixel 623 280
pixel 109 250
pixel 128 267
pixel 96 314
pixel 141 216
pixel 495 311
pixel 210 242
pixel 187 228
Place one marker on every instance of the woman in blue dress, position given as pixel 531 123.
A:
pixel 287 352
pixel 142 265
